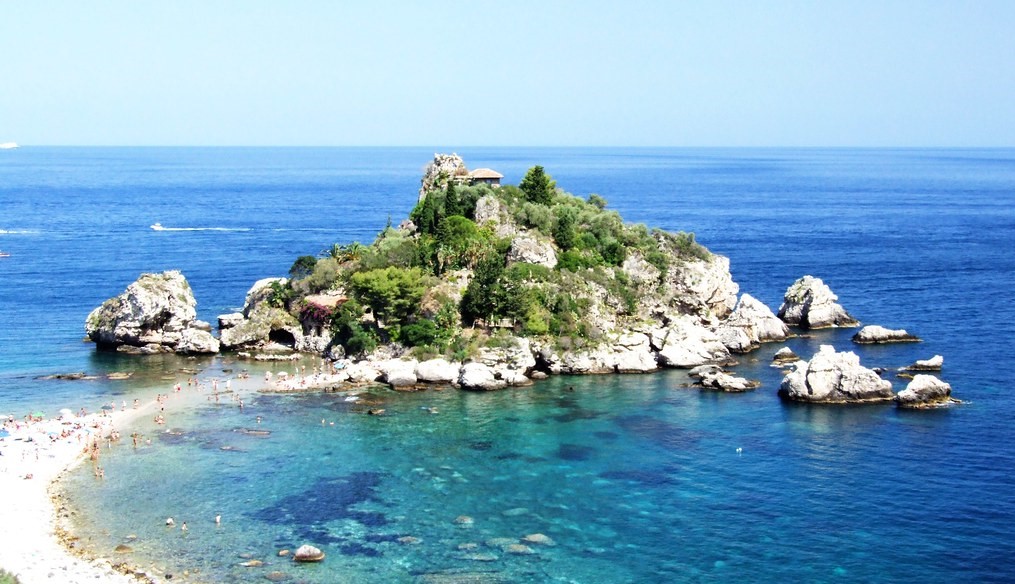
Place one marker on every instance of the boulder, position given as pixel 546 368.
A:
pixel 308 553
pixel 685 343
pixel 810 304
pixel 751 324
pixel 925 391
pixel 831 377
pixel 783 357
pixel 479 376
pixel 528 249
pixel 510 362
pixel 363 372
pixel 438 371
pixel 874 334
pixel 703 287
pixel 398 373
pixel 157 313
pixel 633 354
pixel 718 380
pixel 230 320
pixel 935 363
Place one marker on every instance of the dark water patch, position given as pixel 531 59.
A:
pixel 358 549
pixel 328 499
pixel 658 431
pixel 481 445
pixel 382 537
pixel 575 452
pixel 508 456
pixel 576 415
pixel 644 477
pixel 606 435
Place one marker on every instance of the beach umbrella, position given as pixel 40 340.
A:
pixel 38 415
pixel 67 412
pixel 4 433
pixel 108 407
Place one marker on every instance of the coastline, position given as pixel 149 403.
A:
pixel 42 547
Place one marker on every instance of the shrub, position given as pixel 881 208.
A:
pixel 302 267
pixel 325 275
pixel 419 333
pixel 393 293
pixel 538 186
pixel 348 329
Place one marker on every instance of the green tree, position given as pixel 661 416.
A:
pixel 564 232
pixel 484 295
pixel 393 293
pixel 302 267
pixel 452 201
pixel 538 186
pixel 349 331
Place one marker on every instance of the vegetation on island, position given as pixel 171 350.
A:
pixel 443 284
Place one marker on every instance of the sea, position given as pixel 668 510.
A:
pixel 633 478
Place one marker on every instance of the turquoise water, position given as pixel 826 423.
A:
pixel 635 478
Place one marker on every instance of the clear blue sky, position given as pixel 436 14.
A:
pixel 541 73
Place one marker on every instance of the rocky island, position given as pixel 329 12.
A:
pixel 486 286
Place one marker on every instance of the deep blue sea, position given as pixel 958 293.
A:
pixel 635 478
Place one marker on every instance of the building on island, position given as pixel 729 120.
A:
pixel 486 176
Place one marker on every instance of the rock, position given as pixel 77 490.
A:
pixel 722 381
pixel 123 549
pixel 810 304
pixel 528 249
pixel 491 211
pixel 499 542
pixel 265 325
pixel 925 391
pixel 935 363
pixel 283 553
pixel 751 324
pixel 685 343
pixel 874 334
pixel 252 564
pixel 784 356
pixel 633 354
pixel 157 313
pixel 703 287
pixel 78 375
pixel 479 376
pixel 831 377
pixel 539 539
pixel 638 270
pixel 409 540
pixel 464 520
pixel 308 553
pixel 398 373
pixel 276 576
pixel 481 557
pixel 230 320
pixel 438 371
pixel 440 171
pixel 363 372
pixel 519 549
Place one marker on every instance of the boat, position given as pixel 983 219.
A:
pixel 158 227
pixel 4 254
pixel 8 145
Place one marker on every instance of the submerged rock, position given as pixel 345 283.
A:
pixel 156 314
pixel 925 391
pixel 308 553
pixel 874 334
pixel 810 304
pixel 831 377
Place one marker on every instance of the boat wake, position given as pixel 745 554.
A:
pixel 18 232
pixel 160 227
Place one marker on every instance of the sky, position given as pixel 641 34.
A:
pixel 510 73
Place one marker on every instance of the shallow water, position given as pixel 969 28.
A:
pixel 635 478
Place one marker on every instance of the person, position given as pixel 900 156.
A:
pixel 184 526
pixel 170 522
pixel 218 520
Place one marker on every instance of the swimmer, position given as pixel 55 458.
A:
pixel 218 520
pixel 170 522
pixel 184 526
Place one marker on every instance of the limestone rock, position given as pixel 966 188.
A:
pixel 510 362
pixel 685 343
pixel 831 377
pixel 398 373
pixel 308 553
pixel 491 211
pixel 539 539
pixel 935 363
pixel 718 380
pixel 703 287
pixel 633 354
pixel 638 270
pixel 810 304
pixel 784 356
pixel 751 324
pixel 925 391
pixel 479 376
pixel 363 372
pixel 528 249
pixel 438 371
pixel 874 334
pixel 157 313
pixel 441 169
pixel 230 320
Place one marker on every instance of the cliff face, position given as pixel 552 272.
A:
pixel 156 314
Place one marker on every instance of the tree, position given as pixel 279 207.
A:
pixel 564 232
pixel 393 293
pixel 538 186
pixel 302 267
pixel 452 201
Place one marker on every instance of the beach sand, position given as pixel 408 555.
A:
pixel 33 542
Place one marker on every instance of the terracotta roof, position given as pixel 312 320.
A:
pixel 326 300
pixel 485 173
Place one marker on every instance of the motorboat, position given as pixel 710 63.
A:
pixel 4 254
pixel 8 145
pixel 158 227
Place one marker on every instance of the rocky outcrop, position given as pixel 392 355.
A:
pixel 491 211
pixel 479 376
pixel 438 371
pixel 156 314
pixel 783 357
pixel 751 324
pixel 685 344
pixel 441 169
pixel 511 362
pixel 528 249
pixel 874 334
pixel 398 373
pixel 264 325
pixel 715 379
pixel 632 353
pixel 810 304
pixel 702 287
pixel 925 391
pixel 831 377
pixel 935 363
